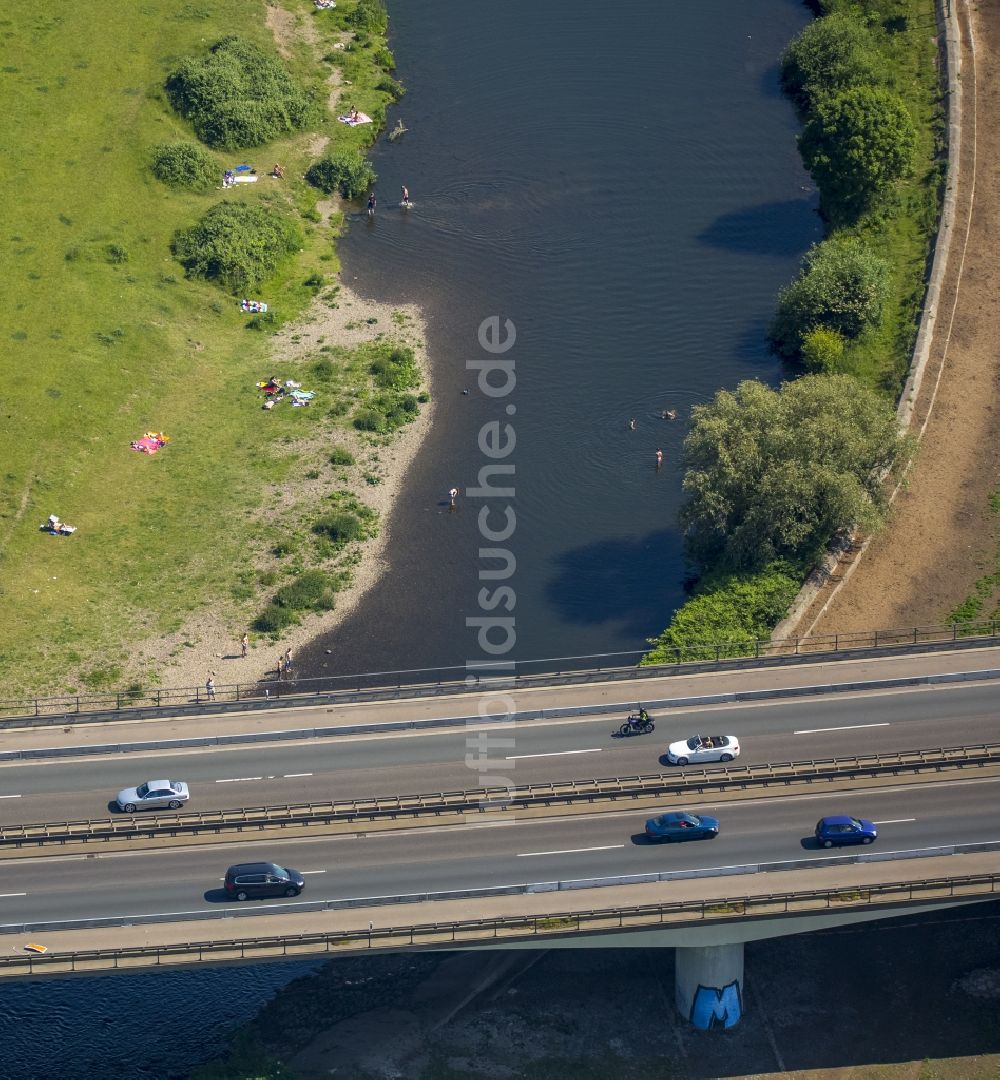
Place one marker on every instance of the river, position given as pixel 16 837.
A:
pixel 621 182
pixel 630 196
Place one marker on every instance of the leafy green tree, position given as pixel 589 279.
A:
pixel 830 55
pixel 775 474
pixel 843 286
pixel 184 165
pixel 370 16
pixel 239 95
pixel 822 349
pixel 345 171
pixel 239 245
pixel 727 615
pixel 857 145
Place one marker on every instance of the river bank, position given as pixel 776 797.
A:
pixel 208 644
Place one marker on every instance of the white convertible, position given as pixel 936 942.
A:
pixel 701 748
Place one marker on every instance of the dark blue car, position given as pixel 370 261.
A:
pixel 682 826
pixel 844 830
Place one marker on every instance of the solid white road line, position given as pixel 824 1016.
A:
pixel 849 727
pixel 4 896
pixel 293 775
pixel 895 821
pixel 556 753
pixel 10 796
pixel 568 851
pixel 239 779
pixel 304 872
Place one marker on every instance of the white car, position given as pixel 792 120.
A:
pixel 158 794
pixel 701 748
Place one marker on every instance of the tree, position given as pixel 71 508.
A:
pixel 857 145
pixel 237 244
pixel 239 95
pixel 842 286
pixel 830 55
pixel 345 171
pixel 775 474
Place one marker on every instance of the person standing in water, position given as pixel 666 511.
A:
pixel 659 458
pixel 371 204
pixel 406 195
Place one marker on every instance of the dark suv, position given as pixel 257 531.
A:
pixel 247 881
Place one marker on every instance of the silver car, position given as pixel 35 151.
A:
pixel 154 794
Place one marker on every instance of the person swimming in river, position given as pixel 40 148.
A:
pixel 371 204
pixel 669 414
pixel 406 196
pixel 632 425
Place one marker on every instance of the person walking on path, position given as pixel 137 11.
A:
pixel 281 666
pixel 244 645
pixel 210 688
pixel 288 661
pixel 371 204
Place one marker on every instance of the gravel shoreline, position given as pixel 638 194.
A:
pixel 208 644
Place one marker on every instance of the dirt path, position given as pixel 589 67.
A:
pixel 943 536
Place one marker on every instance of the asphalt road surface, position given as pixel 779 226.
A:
pixel 178 880
pixel 360 766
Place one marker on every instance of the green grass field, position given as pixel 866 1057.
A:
pixel 105 338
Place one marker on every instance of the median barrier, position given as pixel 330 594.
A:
pixel 459 804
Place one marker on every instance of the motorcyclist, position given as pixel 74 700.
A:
pixel 643 716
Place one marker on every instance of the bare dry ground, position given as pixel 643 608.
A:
pixel 943 536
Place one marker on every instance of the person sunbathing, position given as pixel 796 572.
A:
pixel 278 172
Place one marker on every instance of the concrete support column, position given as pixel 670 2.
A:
pixel 708 985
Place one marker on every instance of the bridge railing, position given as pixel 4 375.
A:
pixel 414 682
pixel 471 932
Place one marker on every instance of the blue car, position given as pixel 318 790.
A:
pixel 844 830
pixel 682 826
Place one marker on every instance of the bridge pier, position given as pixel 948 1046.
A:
pixel 708 984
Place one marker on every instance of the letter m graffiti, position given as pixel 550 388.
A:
pixel 714 1008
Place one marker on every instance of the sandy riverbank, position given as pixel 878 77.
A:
pixel 208 643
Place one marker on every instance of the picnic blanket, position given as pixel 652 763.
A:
pixel 150 442
pixel 57 527
pixel 362 118
pixel 302 395
pixel 246 178
pixel 255 307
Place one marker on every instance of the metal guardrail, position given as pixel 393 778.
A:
pixel 435 804
pixel 472 932
pixel 416 682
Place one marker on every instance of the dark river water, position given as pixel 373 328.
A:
pixel 629 195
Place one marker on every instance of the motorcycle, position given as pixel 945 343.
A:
pixel 636 725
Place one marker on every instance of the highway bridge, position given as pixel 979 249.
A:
pixel 509 825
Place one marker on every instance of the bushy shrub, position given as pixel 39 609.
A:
pixel 341 527
pixel 239 245
pixel 345 171
pixel 396 370
pixel 843 286
pixel 184 165
pixel 384 58
pixel 239 95
pixel 829 55
pixel 310 591
pixel 857 144
pixel 734 610
pixel 370 420
pixel 370 16
pixel 393 87
pixel 273 619
pixel 341 456
pixel 822 349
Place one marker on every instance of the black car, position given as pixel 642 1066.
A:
pixel 248 881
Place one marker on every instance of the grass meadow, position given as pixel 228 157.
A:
pixel 105 338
